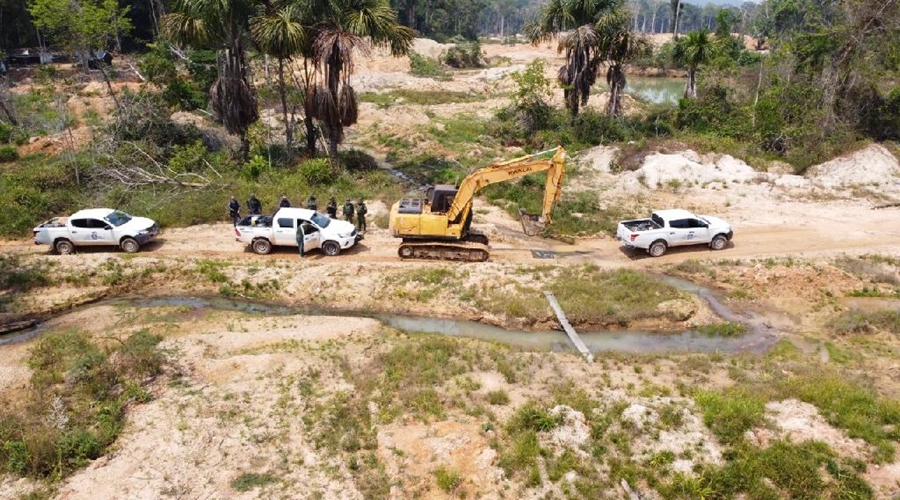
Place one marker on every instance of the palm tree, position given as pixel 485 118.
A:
pixel 279 32
pixel 345 26
pixel 581 44
pixel 221 25
pixel 619 45
pixel 693 50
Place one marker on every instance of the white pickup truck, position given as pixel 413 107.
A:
pixel 672 228
pixel 262 232
pixel 96 227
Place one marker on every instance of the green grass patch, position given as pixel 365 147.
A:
pixel 723 329
pixel 850 405
pixel 419 97
pixel 74 406
pixel 448 480
pixel 587 294
pixel 856 321
pixel 497 398
pixel 782 470
pixel 20 275
pixel 731 413
pixel 251 480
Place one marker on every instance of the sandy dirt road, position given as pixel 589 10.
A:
pixel 865 231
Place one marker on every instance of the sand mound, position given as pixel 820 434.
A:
pixel 873 165
pixel 598 158
pixel 687 167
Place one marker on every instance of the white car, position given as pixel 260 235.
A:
pixel 96 227
pixel 262 232
pixel 672 228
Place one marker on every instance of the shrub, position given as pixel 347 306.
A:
pixel 420 65
pixel 317 171
pixel 8 154
pixel 464 55
pixel 355 159
pixel 11 134
pixel 74 407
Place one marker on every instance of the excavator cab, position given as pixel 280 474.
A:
pixel 440 198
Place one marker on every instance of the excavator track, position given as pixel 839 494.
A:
pixel 473 249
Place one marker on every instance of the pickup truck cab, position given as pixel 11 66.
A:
pixel 96 227
pixel 262 232
pixel 672 228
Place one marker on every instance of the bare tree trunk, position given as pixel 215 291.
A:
pixel 282 89
pixel 676 9
pixel 7 108
pixel 690 92
pixel 756 98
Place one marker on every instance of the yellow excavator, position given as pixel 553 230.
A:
pixel 438 226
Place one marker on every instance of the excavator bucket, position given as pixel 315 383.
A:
pixel 531 223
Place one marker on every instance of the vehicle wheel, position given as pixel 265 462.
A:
pixel 262 246
pixel 64 247
pixel 658 248
pixel 718 243
pixel 331 248
pixel 130 245
pixel 405 252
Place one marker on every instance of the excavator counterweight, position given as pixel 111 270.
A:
pixel 439 226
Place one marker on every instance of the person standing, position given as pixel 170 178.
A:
pixel 311 202
pixel 331 208
pixel 284 203
pixel 348 211
pixel 253 205
pixel 361 212
pixel 301 233
pixel 234 210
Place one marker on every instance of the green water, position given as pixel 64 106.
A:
pixel 657 90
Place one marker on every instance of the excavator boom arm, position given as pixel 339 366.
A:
pixel 511 169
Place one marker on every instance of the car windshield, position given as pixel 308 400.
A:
pixel 117 218
pixel 320 220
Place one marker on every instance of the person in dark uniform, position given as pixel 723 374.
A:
pixel 284 203
pixel 234 210
pixel 331 208
pixel 253 205
pixel 348 211
pixel 311 202
pixel 361 212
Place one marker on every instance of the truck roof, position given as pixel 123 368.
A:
pixel 94 213
pixel 674 214
pixel 303 213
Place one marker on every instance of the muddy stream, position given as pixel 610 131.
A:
pixel 759 336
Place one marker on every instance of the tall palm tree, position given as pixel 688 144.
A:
pixel 220 24
pixel 279 32
pixel 345 26
pixel 580 42
pixel 693 50
pixel 619 45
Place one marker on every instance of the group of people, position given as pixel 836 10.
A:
pixel 254 207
